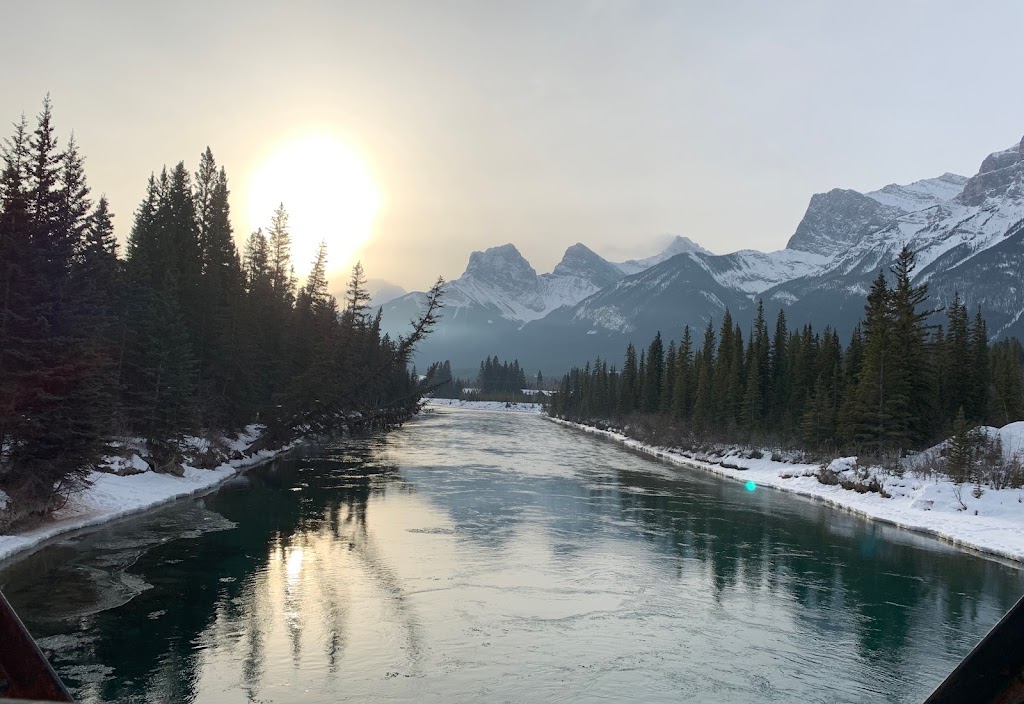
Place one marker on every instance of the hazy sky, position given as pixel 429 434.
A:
pixel 541 123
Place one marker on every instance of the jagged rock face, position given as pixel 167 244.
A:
pixel 582 262
pixel 502 267
pixel 1001 175
pixel 838 219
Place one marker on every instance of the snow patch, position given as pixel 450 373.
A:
pixel 110 496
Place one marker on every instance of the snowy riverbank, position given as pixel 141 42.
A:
pixel 992 523
pixel 485 405
pixel 113 496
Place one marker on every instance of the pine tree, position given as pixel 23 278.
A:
pixel 960 455
pixel 956 368
pixel 910 392
pixel 651 398
pixel 668 379
pixel 703 408
pixel 221 307
pixel 721 400
pixel 357 298
pixel 630 381
pixel 868 415
pixel 280 259
pixel 684 386
pixel 752 419
pixel 980 373
pixel 778 396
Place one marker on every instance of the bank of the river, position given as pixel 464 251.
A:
pixel 992 523
pixel 110 496
pixel 507 407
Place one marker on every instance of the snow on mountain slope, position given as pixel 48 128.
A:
pixel 752 272
pixel 920 194
pixel 952 231
pixel 499 284
pixel 839 219
pixel 671 293
pixel 679 245
pixel 972 245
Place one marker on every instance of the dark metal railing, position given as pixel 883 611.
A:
pixel 24 671
pixel 992 673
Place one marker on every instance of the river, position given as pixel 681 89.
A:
pixel 487 557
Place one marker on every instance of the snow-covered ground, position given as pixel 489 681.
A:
pixel 111 496
pixel 486 405
pixel 992 523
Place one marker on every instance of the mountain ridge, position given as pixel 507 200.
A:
pixel 967 233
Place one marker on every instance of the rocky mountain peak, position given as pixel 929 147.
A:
pixel 1001 175
pixel 838 219
pixel 504 261
pixel 682 245
pixel 582 262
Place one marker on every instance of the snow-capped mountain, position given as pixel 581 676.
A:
pixel 678 245
pixel 967 233
pixel 500 286
pixel 970 243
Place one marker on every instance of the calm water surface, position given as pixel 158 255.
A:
pixel 494 557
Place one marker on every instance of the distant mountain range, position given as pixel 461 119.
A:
pixel 967 233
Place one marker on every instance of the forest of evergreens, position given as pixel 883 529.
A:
pixel 496 380
pixel 899 384
pixel 181 335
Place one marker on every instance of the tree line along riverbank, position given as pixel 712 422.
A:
pixel 179 335
pixel 901 384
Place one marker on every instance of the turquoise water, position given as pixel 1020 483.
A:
pixel 475 556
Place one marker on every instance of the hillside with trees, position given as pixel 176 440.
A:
pixel 898 384
pixel 182 335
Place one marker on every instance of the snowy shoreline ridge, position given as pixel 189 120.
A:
pixel 110 497
pixel 992 523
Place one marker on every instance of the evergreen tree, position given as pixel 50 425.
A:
pixel 910 392
pixel 655 371
pixel 703 408
pixel 630 381
pixel 869 413
pixel 668 379
pixel 778 396
pixel 980 373
pixel 280 255
pixel 684 387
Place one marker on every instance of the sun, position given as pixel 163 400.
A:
pixel 328 193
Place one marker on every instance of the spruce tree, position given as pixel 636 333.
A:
pixel 778 396
pixel 630 374
pixel 684 387
pixel 668 379
pixel 910 391
pixel 655 371
pixel 869 414
pixel 703 407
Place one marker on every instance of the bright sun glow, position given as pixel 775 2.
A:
pixel 327 192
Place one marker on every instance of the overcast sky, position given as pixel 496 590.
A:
pixel 538 123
